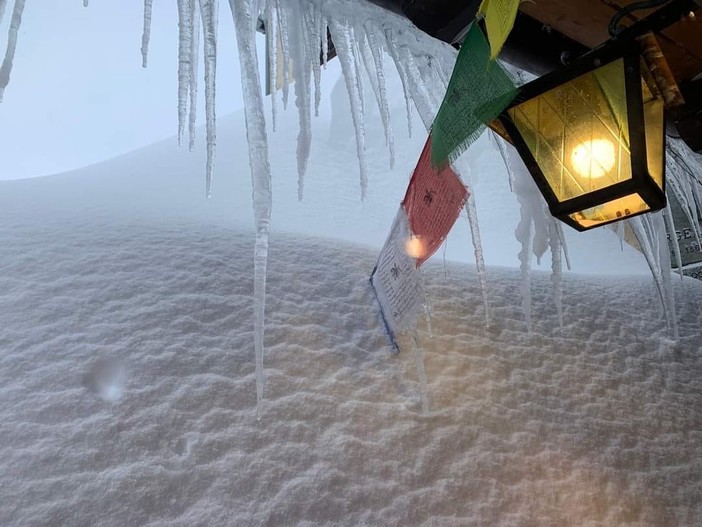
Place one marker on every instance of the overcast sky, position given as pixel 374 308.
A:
pixel 78 93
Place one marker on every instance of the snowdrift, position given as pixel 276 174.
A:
pixel 127 390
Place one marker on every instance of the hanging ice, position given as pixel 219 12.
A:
pixel 421 371
pixel 373 62
pixel 15 23
pixel 650 232
pixel 272 47
pixel 472 215
pixel 245 19
pixel 208 13
pixel 341 36
pixel 194 66
pixel 185 20
pixel 146 34
pixel 3 5
pixel 554 242
pixel 298 26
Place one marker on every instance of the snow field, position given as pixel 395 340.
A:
pixel 595 424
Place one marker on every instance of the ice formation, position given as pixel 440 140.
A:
pixel 245 19
pixel 298 34
pixel 15 23
pixel 146 34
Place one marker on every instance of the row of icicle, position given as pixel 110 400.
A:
pixel 364 37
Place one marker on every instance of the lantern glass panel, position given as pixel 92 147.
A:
pixel 578 132
pixel 610 211
pixel 653 108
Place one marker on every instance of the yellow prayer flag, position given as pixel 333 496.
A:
pixel 499 20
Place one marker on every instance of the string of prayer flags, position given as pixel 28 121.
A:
pixel 478 91
pixel 499 21
pixel 397 281
pixel 433 202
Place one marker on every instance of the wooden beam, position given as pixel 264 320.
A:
pixel 586 21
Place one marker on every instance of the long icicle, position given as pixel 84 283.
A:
pixel 272 46
pixel 208 13
pixel 554 242
pixel 3 5
pixel 146 34
pixel 341 35
pixel 373 62
pixel 6 67
pixel 185 21
pixel 421 371
pixel 194 66
pixel 245 19
pixel 301 74
pixel 472 213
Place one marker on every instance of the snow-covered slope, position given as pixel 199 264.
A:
pixel 127 390
pixel 164 180
pixel 127 373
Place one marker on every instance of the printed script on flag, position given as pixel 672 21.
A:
pixel 434 199
pixel 396 279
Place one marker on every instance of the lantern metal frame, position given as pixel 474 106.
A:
pixel 641 181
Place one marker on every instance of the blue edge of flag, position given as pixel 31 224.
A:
pixel 391 334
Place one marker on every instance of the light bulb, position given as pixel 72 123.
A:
pixel 593 159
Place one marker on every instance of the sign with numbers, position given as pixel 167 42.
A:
pixel 690 251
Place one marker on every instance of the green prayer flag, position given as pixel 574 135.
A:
pixel 478 91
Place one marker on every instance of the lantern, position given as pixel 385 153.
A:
pixel 592 137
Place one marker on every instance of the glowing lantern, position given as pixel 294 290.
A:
pixel 592 137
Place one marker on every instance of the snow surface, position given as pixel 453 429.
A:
pixel 127 371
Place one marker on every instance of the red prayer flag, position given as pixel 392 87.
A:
pixel 434 199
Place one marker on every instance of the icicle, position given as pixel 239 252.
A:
pixel 392 50
pixel 541 233
pixel 673 239
pixel 6 67
pixel 639 228
pixel 500 144
pixel 272 45
pixel 472 214
pixel 556 269
pixel 524 236
pixel 620 234
pixel 341 36
pixel 356 55
pixel 146 34
pixel 3 5
pixel 194 67
pixel 444 258
pixel 185 20
pixel 375 65
pixel 320 34
pixel 422 101
pixel 421 371
pixel 426 304
pixel 244 20
pixel 563 244
pixel 325 41
pixel 85 3
pixel 285 52
pixel 658 224
pixel 208 12
pixel 523 188
pixel 298 48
